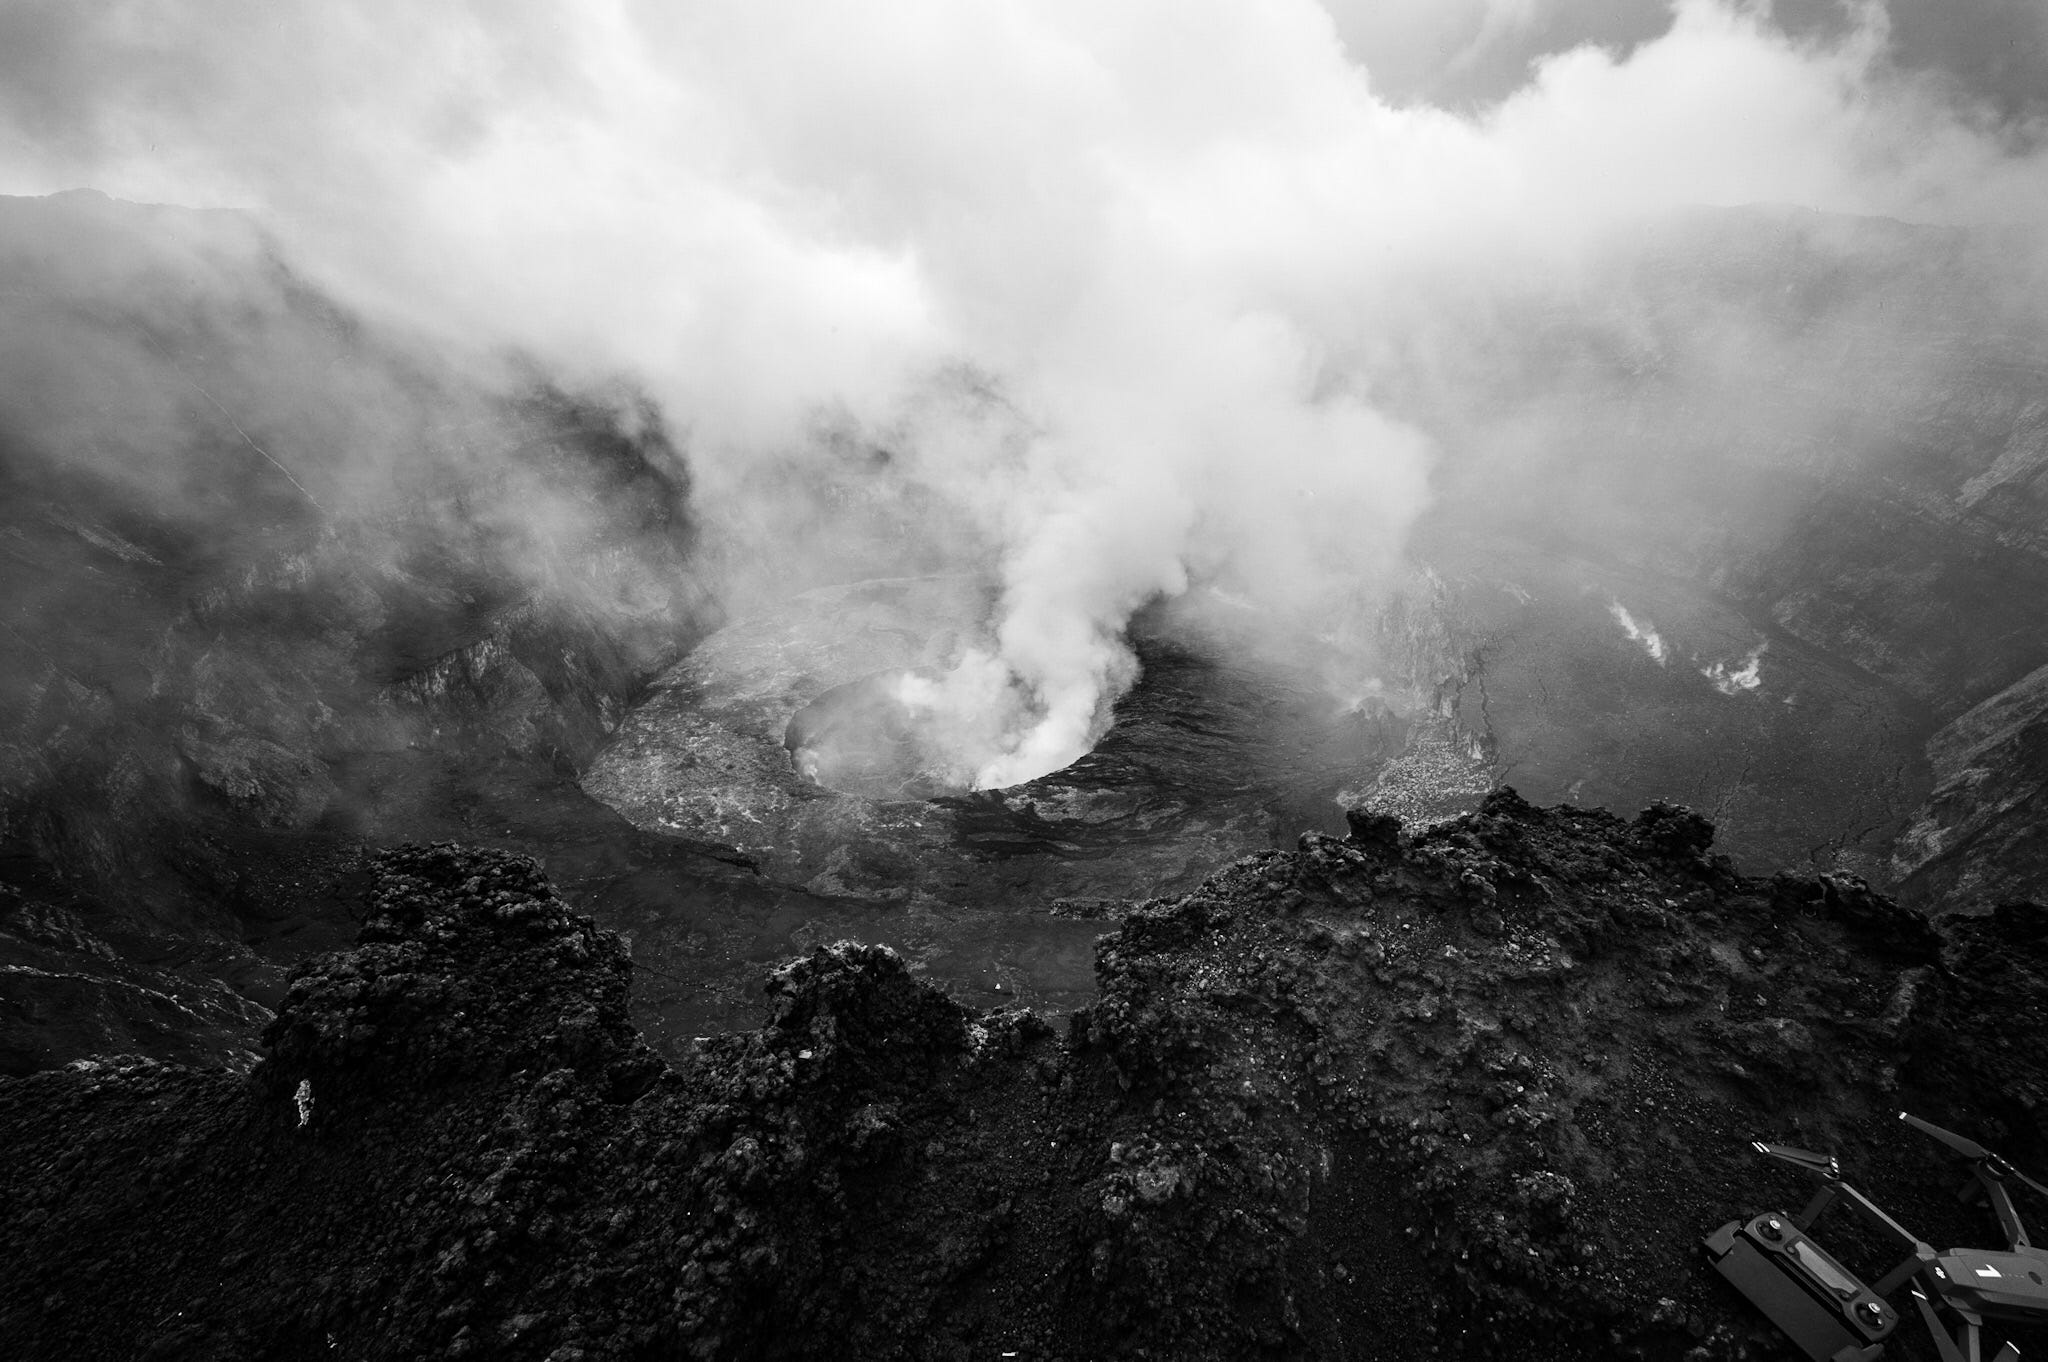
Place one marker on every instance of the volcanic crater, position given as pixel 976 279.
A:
pixel 1207 758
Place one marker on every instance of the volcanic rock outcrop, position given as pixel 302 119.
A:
pixel 1476 1092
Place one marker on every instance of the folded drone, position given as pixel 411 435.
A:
pixel 1834 1316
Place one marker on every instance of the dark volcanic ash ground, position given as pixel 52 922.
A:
pixel 1476 1093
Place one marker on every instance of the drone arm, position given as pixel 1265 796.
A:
pixel 1832 1189
pixel 1893 1280
pixel 1818 1206
pixel 1944 1344
pixel 1990 1170
pixel 1875 1214
pixel 1920 1254
pixel 1822 1166
pixel 2008 1215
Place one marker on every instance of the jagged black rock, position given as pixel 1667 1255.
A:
pixel 1472 1093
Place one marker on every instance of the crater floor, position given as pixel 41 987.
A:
pixel 1207 760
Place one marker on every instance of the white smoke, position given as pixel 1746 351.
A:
pixel 1184 244
pixel 1643 633
pixel 1731 679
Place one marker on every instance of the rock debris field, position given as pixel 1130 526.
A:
pixel 1477 1092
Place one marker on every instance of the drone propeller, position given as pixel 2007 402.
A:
pixel 1972 1151
pixel 1823 1164
pixel 2040 1188
pixel 1969 1149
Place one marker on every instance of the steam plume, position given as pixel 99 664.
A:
pixel 1131 294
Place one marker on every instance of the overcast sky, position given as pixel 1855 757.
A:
pixel 1466 53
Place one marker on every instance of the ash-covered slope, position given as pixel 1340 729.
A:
pixel 1474 1093
pixel 1981 837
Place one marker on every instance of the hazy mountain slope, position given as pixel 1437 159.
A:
pixel 263 573
pixel 1800 449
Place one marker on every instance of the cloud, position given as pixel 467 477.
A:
pixel 1129 294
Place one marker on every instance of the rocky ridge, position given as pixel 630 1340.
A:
pixel 1475 1092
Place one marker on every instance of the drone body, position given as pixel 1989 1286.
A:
pixel 2008 1286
